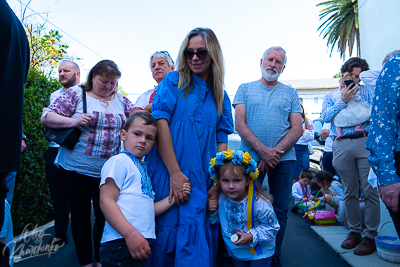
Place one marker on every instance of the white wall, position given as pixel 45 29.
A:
pixel 312 103
pixel 379 29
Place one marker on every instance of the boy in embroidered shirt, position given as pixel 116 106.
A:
pixel 301 189
pixel 126 197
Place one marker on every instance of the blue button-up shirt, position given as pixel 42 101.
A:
pixel 384 136
pixel 331 107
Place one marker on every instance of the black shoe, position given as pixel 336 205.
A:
pixel 59 243
pixel 294 209
pixel 276 262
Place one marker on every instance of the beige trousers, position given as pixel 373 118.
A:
pixel 350 159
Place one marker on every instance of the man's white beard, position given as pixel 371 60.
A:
pixel 270 77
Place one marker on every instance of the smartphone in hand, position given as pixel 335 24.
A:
pixel 348 82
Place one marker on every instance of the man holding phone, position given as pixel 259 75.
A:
pixel 350 159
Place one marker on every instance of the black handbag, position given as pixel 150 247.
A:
pixel 66 137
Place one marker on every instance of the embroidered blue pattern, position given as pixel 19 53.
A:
pixel 384 136
pixel 235 214
pixel 269 220
pixel 147 189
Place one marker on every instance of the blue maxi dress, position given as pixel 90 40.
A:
pixel 183 235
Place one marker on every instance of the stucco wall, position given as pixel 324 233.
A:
pixel 379 29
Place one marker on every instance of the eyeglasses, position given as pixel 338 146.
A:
pixel 167 54
pixel 201 54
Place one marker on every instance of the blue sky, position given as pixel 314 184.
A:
pixel 128 32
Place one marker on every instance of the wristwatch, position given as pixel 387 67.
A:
pixel 23 137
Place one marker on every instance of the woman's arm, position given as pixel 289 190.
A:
pixel 138 246
pixel 57 121
pixel 221 147
pixel 166 149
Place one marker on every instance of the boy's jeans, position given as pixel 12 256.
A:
pixel 116 253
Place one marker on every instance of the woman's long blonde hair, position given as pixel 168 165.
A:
pixel 216 77
pixel 303 114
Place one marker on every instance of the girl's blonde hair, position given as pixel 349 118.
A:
pixel 216 77
pixel 240 171
pixel 303 114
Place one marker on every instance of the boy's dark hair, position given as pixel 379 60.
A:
pixel 323 176
pixel 306 174
pixel 146 117
pixel 354 62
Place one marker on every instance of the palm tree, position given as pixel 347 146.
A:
pixel 341 26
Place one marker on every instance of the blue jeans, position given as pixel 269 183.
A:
pixel 10 182
pixel 327 165
pixel 256 263
pixel 116 253
pixel 280 181
pixel 302 159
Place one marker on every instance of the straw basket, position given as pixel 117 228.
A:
pixel 386 250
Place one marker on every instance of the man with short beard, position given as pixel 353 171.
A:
pixel 69 76
pixel 268 120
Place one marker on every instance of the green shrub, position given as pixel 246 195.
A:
pixel 31 203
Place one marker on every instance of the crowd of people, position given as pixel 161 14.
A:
pixel 160 177
pixel 360 133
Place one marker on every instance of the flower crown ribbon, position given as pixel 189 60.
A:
pixel 239 157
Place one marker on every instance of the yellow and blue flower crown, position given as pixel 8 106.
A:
pixel 237 157
pixel 240 158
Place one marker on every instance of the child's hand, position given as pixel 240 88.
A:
pixel 212 205
pixel 187 188
pixel 328 199
pixel 304 199
pixel 244 238
pixel 325 191
pixel 138 246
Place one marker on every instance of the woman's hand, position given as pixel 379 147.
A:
pixel 177 182
pixel 244 238
pixel 83 120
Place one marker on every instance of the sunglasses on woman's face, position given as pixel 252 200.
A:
pixel 201 54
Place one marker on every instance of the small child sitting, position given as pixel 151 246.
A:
pixel 301 190
pixel 126 197
pixel 247 218
pixel 354 114
pixel 333 193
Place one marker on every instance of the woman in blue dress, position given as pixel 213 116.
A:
pixel 194 120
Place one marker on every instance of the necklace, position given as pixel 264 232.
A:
pixel 103 101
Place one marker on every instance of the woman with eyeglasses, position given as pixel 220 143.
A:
pixel 194 119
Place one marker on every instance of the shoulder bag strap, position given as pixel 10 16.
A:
pixel 84 100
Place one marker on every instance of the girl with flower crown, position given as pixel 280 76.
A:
pixel 248 221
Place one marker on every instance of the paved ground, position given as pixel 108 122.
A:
pixel 302 247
